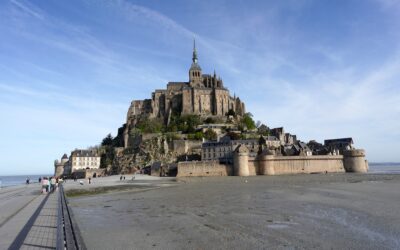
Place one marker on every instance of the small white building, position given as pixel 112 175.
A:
pixel 84 159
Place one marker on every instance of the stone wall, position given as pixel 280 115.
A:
pixel 269 164
pixel 203 168
pixel 280 165
pixel 86 173
pixel 182 147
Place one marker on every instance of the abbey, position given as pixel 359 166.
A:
pixel 203 94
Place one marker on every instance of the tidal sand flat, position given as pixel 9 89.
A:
pixel 324 211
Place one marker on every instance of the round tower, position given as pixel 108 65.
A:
pixel 267 163
pixel 354 161
pixel 58 168
pixel 64 159
pixel 240 161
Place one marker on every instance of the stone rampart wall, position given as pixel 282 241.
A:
pixel 280 165
pixel 253 166
pixel 203 168
pixel 245 165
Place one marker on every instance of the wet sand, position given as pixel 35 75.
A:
pixel 333 211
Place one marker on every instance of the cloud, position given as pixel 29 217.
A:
pixel 286 78
pixel 387 4
pixel 133 11
pixel 28 9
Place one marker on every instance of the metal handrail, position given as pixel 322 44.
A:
pixel 68 236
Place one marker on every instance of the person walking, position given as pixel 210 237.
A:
pixel 53 183
pixel 45 184
pixel 57 180
pixel 48 179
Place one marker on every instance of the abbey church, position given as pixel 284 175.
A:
pixel 203 94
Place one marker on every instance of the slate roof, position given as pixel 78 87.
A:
pixel 347 140
pixel 84 153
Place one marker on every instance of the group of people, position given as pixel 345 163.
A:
pixel 49 184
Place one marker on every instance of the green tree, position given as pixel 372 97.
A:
pixel 186 123
pixel 196 136
pixel 107 141
pixel 210 134
pixel 248 122
pixel 150 125
pixel 231 112
pixel 233 135
pixel 209 120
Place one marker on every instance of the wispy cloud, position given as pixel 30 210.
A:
pixel 27 9
pixel 290 66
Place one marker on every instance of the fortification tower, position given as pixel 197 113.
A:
pixel 354 161
pixel 241 161
pixel 59 165
pixel 266 161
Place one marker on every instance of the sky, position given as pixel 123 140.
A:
pixel 322 69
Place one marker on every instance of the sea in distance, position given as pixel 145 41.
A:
pixel 14 180
pixel 374 168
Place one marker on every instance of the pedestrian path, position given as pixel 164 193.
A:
pixel 40 232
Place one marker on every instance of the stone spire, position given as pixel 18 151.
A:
pixel 195 75
pixel 194 58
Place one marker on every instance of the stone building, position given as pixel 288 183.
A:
pixel 84 159
pixel 270 141
pixel 284 138
pixel 222 151
pixel 340 144
pixel 203 94
pixel 62 167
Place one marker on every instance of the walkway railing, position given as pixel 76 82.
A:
pixel 68 236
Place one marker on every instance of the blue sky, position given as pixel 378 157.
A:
pixel 322 69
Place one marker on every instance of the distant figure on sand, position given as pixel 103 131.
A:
pixel 27 180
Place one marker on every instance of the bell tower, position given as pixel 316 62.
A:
pixel 195 78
